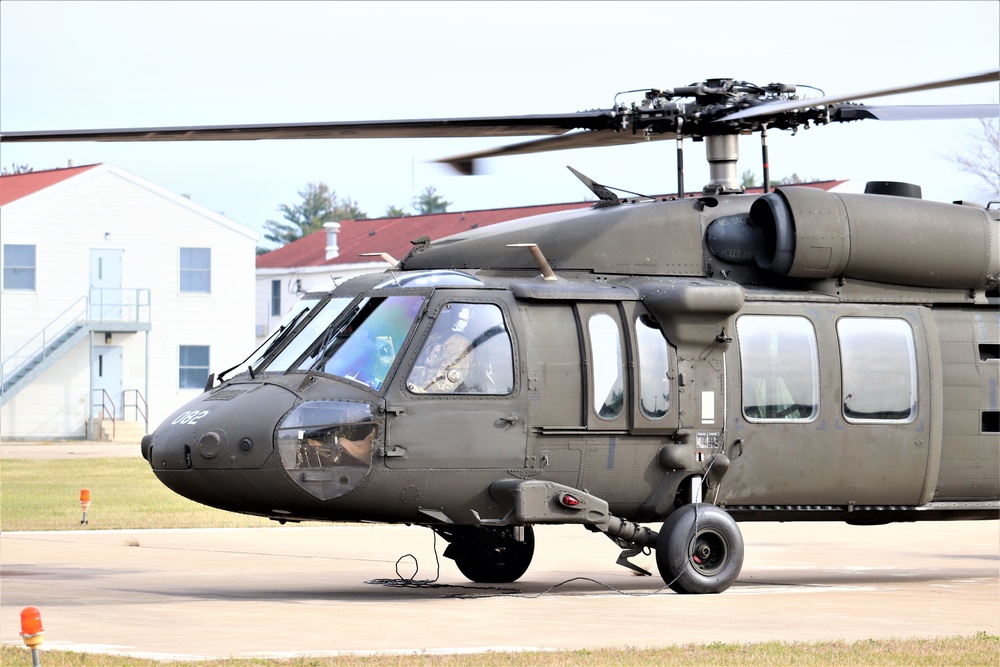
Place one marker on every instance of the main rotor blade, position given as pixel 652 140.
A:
pixel 502 126
pixel 791 105
pixel 923 112
pixel 467 163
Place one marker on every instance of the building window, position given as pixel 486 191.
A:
pixel 780 368
pixel 196 270
pixel 275 298
pixel 18 267
pixel 879 369
pixel 193 367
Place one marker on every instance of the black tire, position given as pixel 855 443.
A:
pixel 492 555
pixel 699 550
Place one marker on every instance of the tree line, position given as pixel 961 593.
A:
pixel 319 204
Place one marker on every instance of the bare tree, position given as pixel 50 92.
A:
pixel 16 169
pixel 981 157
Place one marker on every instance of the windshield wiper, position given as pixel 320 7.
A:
pixel 274 339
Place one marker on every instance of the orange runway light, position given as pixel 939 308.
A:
pixel 31 627
pixel 84 504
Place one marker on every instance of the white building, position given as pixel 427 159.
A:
pixel 118 298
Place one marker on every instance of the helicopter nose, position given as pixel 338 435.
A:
pixel 228 429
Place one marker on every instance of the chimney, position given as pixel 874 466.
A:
pixel 331 228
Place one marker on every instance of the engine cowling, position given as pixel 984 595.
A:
pixel 813 234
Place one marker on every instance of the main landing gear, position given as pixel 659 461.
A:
pixel 699 550
pixel 490 555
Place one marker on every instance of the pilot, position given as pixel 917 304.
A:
pixel 447 356
pixel 350 446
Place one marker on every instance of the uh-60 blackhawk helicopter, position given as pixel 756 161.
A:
pixel 694 362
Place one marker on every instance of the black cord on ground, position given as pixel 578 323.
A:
pixel 483 591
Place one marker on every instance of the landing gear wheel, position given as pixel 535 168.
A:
pixel 699 550
pixel 492 555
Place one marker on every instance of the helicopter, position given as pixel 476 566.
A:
pixel 690 362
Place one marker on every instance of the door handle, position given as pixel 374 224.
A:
pixel 510 419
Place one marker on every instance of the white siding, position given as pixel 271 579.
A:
pixel 109 208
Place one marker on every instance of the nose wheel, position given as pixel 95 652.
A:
pixel 699 550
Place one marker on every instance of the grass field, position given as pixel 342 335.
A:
pixel 124 494
pixel 981 649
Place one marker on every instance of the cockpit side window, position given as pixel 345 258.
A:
pixel 468 351
pixel 780 367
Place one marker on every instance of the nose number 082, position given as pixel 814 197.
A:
pixel 190 417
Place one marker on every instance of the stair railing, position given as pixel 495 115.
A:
pixel 38 345
pixel 119 304
pixel 138 404
pixel 111 414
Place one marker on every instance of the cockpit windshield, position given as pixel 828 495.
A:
pixel 354 339
pixel 318 325
pixel 365 346
pixel 288 322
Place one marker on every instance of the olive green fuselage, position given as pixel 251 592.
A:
pixel 804 356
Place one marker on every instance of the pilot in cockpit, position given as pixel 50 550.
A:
pixel 447 356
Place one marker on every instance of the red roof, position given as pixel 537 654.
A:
pixel 16 186
pixel 393 235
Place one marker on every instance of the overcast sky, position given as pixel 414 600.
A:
pixel 82 65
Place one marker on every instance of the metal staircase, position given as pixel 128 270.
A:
pixel 65 331
pixel 44 348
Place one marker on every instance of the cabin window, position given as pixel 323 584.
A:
pixel 19 267
pixel 196 270
pixel 275 298
pixel 654 369
pixel 780 368
pixel 467 352
pixel 878 369
pixel 606 353
pixel 193 366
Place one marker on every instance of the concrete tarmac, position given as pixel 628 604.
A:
pixel 68 449
pixel 314 590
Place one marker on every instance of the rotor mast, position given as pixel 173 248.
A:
pixel 722 152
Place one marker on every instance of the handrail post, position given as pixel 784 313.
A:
pixel 112 414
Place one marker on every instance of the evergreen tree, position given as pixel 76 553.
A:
pixel 429 202
pixel 319 205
